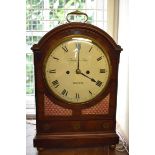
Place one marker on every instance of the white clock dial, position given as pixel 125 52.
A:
pixel 77 70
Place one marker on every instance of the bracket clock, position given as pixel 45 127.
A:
pixel 76 70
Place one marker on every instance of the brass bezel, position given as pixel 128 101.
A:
pixel 62 40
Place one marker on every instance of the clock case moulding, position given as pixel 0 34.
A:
pixel 76 130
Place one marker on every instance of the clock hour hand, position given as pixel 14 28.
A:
pixel 93 80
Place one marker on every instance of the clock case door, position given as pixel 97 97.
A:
pixel 74 129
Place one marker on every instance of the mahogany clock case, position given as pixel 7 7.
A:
pixel 75 129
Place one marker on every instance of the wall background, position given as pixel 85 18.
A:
pixel 123 81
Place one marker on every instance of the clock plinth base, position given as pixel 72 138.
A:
pixel 75 140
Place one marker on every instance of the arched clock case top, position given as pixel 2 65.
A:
pixel 64 32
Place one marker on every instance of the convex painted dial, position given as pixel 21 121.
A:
pixel 77 70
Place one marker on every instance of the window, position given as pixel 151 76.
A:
pixel 44 15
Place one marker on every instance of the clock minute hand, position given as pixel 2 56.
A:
pixel 78 46
pixel 88 77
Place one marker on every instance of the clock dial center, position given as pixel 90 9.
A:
pixel 78 71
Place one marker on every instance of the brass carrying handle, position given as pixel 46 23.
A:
pixel 77 12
